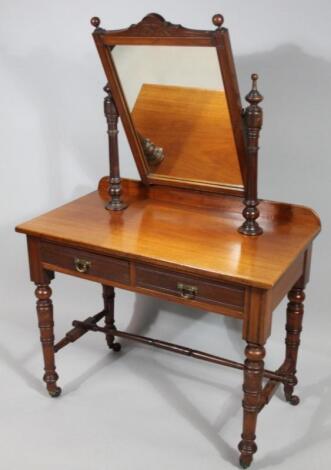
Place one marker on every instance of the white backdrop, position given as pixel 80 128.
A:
pixel 145 407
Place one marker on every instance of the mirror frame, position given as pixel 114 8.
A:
pixel 153 30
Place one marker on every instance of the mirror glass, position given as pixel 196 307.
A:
pixel 179 110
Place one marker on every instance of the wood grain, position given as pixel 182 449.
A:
pixel 60 257
pixel 193 127
pixel 206 291
pixel 188 238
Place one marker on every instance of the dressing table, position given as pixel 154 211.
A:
pixel 192 230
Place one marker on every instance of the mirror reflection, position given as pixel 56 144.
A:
pixel 179 110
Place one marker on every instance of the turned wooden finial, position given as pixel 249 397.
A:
pixel 254 96
pixel 95 21
pixel 218 20
pixel 115 202
pixel 253 116
pixel 106 89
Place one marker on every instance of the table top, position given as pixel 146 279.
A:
pixel 186 234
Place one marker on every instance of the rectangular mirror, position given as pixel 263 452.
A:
pixel 179 110
pixel 177 95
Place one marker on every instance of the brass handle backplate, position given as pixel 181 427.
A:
pixel 81 265
pixel 186 291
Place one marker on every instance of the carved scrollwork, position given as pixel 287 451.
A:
pixel 155 25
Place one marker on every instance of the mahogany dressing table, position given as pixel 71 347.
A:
pixel 182 233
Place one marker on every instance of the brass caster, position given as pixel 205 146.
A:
pixel 294 400
pixel 55 393
pixel 244 464
pixel 116 347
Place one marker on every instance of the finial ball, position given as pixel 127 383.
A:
pixel 254 77
pixel 95 21
pixel 218 20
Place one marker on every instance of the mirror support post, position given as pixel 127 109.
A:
pixel 115 191
pixel 254 117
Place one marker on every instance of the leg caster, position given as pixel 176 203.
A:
pixel 243 463
pixel 46 325
pixel 116 347
pixel 55 393
pixel 253 375
pixel 295 310
pixel 108 299
pixel 294 400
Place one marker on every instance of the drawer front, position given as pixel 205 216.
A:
pixel 190 288
pixel 84 263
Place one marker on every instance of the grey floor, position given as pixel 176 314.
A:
pixel 144 408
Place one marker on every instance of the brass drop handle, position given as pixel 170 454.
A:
pixel 82 265
pixel 186 291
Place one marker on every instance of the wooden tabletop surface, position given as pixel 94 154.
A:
pixel 188 237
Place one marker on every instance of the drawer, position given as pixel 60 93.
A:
pixel 190 287
pixel 85 264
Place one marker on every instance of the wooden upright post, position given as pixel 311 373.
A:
pixel 254 118
pixel 115 191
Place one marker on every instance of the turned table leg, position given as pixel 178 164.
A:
pixel 46 325
pixel 253 374
pixel 295 310
pixel 108 298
